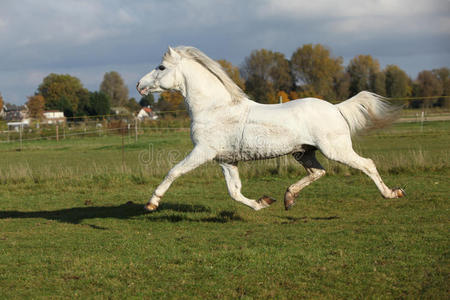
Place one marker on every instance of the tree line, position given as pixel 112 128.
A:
pixel 66 93
pixel 266 76
pixel 312 71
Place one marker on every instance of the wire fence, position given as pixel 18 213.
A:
pixel 133 129
pixel 176 120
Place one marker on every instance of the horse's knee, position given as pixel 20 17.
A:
pixel 317 174
pixel 370 163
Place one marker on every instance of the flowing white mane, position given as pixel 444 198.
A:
pixel 215 68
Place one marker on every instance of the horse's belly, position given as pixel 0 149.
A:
pixel 259 148
pixel 262 148
pixel 247 155
pixel 265 139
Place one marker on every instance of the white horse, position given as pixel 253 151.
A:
pixel 228 127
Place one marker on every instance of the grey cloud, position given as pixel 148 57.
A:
pixel 88 38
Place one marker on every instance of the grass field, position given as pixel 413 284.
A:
pixel 72 224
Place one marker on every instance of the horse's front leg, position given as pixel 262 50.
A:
pixel 231 173
pixel 197 157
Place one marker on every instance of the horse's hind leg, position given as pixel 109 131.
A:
pixel 231 173
pixel 315 171
pixel 344 153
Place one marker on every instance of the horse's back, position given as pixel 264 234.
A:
pixel 304 112
pixel 278 129
pixel 323 120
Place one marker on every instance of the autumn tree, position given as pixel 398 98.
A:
pixel 428 85
pixel 315 69
pixel 365 75
pixel 397 82
pixel 114 86
pixel 132 105
pixel 280 73
pixel 379 84
pixel 84 104
pixel 36 105
pixel 342 85
pixel 293 95
pixel 233 72
pixel 170 101
pixel 99 104
pixel 307 90
pixel 259 89
pixel 265 73
pixel 443 75
pixel 62 92
pixel 283 96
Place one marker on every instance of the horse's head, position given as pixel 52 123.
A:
pixel 189 71
pixel 164 77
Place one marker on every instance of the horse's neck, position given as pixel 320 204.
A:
pixel 204 92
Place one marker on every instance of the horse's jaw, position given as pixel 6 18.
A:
pixel 144 92
pixel 147 84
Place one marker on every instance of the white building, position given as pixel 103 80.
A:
pixel 16 117
pixel 54 117
pixel 17 125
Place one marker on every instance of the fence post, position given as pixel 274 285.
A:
pixel 20 135
pixel 57 132
pixel 128 130
pixel 122 129
pixel 136 129
pixel 421 120
pixel 84 124
pixel 105 125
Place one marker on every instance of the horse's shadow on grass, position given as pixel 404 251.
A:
pixel 125 211
pixel 290 220
pixel 167 212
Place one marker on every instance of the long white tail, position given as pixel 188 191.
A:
pixel 367 110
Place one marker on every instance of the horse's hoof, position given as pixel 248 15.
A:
pixel 399 192
pixel 289 200
pixel 266 200
pixel 150 207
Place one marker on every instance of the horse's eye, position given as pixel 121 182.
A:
pixel 161 68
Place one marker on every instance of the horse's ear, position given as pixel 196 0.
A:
pixel 172 53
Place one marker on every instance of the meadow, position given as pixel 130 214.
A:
pixel 72 223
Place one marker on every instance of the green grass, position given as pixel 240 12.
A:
pixel 72 224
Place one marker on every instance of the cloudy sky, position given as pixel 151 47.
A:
pixel 88 38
